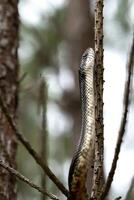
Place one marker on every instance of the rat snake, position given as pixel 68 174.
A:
pixel 80 162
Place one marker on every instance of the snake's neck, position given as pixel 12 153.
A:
pixel 87 105
pixel 80 163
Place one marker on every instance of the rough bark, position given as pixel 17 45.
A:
pixel 8 92
pixel 98 85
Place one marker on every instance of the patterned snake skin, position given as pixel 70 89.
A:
pixel 80 163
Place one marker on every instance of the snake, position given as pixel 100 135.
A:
pixel 81 160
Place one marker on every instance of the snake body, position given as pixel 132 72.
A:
pixel 80 162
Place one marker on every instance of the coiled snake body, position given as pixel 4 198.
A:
pixel 80 163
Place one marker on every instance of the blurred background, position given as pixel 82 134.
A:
pixel 53 36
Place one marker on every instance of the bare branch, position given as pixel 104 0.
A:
pixel 26 180
pixel 22 78
pixel 32 152
pixel 123 122
pixel 98 93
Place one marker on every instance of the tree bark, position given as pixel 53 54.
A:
pixel 98 96
pixel 8 91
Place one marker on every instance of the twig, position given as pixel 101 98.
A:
pixel 32 152
pixel 123 122
pixel 98 92
pixel 26 180
pixel 22 78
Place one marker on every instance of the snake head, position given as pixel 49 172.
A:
pixel 87 60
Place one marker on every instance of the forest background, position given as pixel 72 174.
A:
pixel 53 36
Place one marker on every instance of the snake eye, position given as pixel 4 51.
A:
pixel 87 60
pixel 84 56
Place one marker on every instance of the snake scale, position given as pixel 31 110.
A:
pixel 80 162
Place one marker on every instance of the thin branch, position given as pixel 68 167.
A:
pixel 98 92
pixel 32 152
pixel 123 122
pixel 22 78
pixel 26 180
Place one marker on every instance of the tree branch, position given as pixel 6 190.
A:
pixel 21 79
pixel 32 152
pixel 98 93
pixel 123 122
pixel 26 180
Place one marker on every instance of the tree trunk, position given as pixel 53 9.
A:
pixel 8 92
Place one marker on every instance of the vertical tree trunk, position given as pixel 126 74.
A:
pixel 98 94
pixel 8 91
